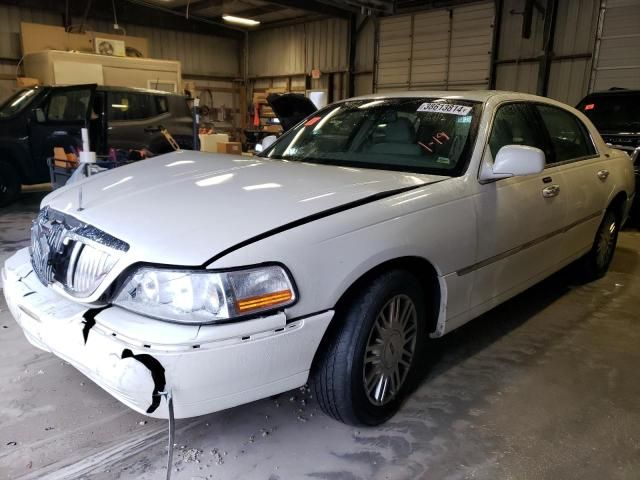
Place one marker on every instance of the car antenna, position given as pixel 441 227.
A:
pixel 80 199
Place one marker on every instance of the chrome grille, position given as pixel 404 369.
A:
pixel 46 244
pixel 72 254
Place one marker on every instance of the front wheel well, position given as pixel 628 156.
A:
pixel 418 266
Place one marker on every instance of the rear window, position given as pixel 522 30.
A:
pixel 613 113
pixel 17 102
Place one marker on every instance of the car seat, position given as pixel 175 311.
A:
pixel 399 138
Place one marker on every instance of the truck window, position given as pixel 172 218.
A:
pixel 68 105
pixel 125 106
pixel 17 102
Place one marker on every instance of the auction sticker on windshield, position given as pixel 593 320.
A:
pixel 445 108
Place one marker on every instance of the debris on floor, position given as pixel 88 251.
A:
pixel 218 456
pixel 191 455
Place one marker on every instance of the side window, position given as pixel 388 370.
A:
pixel 68 105
pixel 162 105
pixel 131 106
pixel 568 135
pixel 514 124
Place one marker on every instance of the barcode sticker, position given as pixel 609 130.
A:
pixel 450 108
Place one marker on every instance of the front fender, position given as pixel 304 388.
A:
pixel 329 255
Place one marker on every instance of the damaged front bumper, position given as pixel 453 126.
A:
pixel 136 358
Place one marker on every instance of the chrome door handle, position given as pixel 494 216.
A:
pixel 603 174
pixel 551 191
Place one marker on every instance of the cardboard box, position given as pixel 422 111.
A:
pixel 23 82
pixel 272 128
pixel 259 97
pixel 36 37
pixel 209 143
pixel 230 147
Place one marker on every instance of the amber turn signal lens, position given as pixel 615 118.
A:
pixel 262 301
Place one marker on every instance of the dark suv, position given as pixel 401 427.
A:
pixel 616 115
pixel 37 119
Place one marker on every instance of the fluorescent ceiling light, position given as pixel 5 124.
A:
pixel 240 20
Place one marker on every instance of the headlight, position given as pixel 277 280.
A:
pixel 196 297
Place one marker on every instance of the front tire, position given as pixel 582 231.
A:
pixel 367 366
pixel 10 185
pixel 595 264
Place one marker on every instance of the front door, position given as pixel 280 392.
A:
pixel 519 218
pixel 58 123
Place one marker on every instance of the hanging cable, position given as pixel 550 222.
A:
pixel 115 19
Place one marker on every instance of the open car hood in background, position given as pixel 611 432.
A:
pixel 290 108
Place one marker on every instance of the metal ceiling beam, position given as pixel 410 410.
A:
pixel 285 22
pixel 132 12
pixel 343 11
pixel 180 17
pixel 257 11
pixel 384 7
pixel 408 6
pixel 199 5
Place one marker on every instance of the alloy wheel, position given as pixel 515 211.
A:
pixel 390 349
pixel 606 243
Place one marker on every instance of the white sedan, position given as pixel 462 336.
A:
pixel 372 225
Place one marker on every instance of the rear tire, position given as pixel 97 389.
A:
pixel 371 361
pixel 10 184
pixel 596 263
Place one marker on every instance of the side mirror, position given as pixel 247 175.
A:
pixel 514 161
pixel 266 143
pixel 38 115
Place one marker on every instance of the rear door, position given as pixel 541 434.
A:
pixel 520 219
pixel 135 119
pixel 58 123
pixel 587 184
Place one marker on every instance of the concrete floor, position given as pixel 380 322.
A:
pixel 546 386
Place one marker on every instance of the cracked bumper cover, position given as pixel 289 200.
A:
pixel 207 368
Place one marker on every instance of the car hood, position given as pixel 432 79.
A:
pixel 185 207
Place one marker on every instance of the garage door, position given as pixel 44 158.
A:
pixel 439 49
pixel 617 62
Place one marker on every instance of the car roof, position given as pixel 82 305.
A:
pixel 615 91
pixel 111 88
pixel 473 95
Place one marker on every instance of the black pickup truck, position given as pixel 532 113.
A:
pixel 35 120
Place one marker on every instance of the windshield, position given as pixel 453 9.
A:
pixel 407 134
pixel 17 102
pixel 615 113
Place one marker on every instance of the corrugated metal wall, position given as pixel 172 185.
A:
pixel 364 57
pixel 278 51
pixel 201 55
pixel 10 18
pixel 296 49
pixel 618 46
pixel 518 57
pixel 575 34
pixel 436 49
